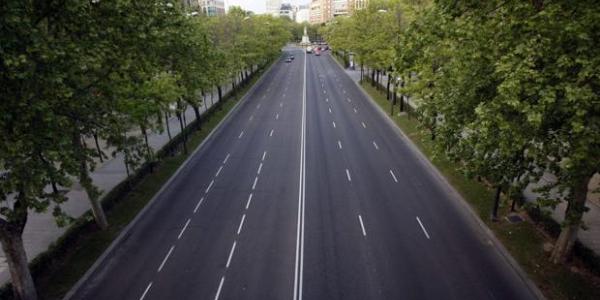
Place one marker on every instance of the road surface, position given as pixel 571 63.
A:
pixel 305 192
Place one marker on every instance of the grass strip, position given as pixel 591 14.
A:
pixel 523 240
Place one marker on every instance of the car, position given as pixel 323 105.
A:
pixel 288 60
pixel 309 49
pixel 292 57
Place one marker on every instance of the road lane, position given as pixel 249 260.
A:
pixel 396 260
pixel 222 175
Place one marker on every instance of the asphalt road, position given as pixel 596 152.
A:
pixel 305 192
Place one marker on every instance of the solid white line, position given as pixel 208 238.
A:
pixel 271 134
pixel 348 175
pixel 423 227
pixel 264 154
pixel 330 110
pixel 393 176
pixel 226 158
pixel 241 135
pixel 277 117
pixel 375 145
pixel 339 144
pixel 363 124
pixel 299 262
pixel 259 168
pixel 333 122
pixel 219 289
pixel 184 228
pixel 249 200
pixel 219 171
pixel 146 291
pixel 230 254
pixel 241 224
pixel 198 205
pixel 362 226
pixel 165 259
pixel 254 184
pixel 209 186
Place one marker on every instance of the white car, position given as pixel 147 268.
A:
pixel 309 49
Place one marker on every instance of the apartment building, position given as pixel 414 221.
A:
pixel 322 11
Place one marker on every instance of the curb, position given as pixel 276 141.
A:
pixel 125 232
pixel 454 193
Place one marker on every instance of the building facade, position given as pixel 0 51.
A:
pixel 358 4
pixel 322 11
pixel 316 11
pixel 287 10
pixel 213 7
pixel 207 7
pixel 273 7
pixel 303 13
pixel 340 8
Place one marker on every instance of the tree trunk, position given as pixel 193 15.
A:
pixel 401 96
pixel 220 93
pixel 167 125
pixel 100 154
pixel 393 100
pixel 196 112
pixel 372 77
pixel 126 161
pixel 496 203
pixel 362 72
pixel 88 185
pixel 148 149
pixel 575 209
pixel 388 86
pixel 12 244
pixel 183 136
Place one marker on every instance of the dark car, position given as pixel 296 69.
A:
pixel 292 57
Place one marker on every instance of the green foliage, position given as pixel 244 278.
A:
pixel 511 90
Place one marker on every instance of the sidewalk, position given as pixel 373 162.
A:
pixel 41 229
pixel 590 237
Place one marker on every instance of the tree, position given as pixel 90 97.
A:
pixel 508 90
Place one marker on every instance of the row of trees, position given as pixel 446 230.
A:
pixel 76 70
pixel 508 89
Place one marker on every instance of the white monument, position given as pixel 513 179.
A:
pixel 305 39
